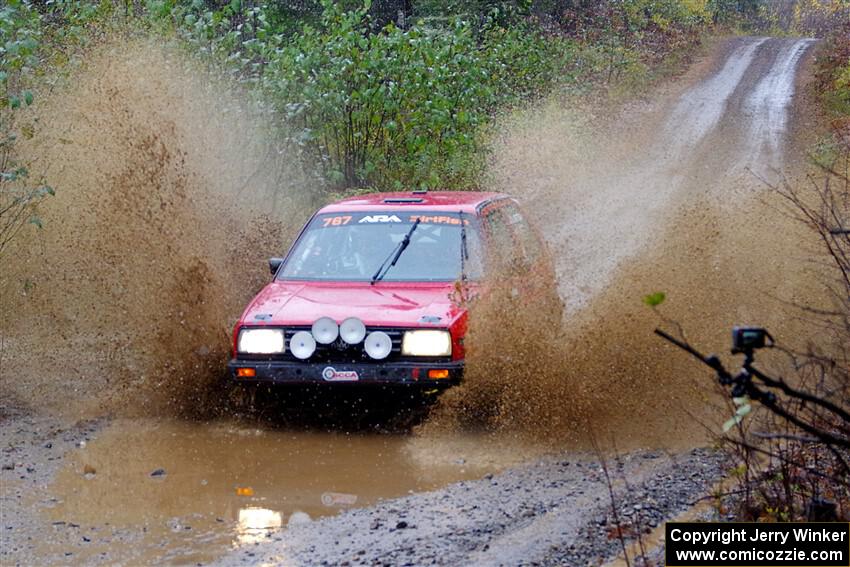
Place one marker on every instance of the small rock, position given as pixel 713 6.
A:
pixel 9 466
pixel 299 518
pixel 89 470
pixel 401 525
pixel 158 472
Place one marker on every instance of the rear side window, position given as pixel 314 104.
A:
pixel 526 238
pixel 500 230
pixel 514 243
pixel 502 247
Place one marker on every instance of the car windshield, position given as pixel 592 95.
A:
pixel 352 247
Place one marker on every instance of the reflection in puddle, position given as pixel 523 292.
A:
pixel 188 492
pixel 256 523
pixel 332 499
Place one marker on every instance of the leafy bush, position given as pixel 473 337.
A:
pixel 402 108
pixel 20 37
pixel 832 86
pixel 833 72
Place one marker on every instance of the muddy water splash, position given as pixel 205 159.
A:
pixel 170 195
pixel 660 199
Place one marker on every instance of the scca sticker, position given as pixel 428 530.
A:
pixel 380 218
pixel 330 374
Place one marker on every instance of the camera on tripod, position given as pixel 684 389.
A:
pixel 748 339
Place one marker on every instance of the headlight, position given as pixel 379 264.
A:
pixel 261 341
pixel 426 343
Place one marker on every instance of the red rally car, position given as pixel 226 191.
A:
pixel 368 292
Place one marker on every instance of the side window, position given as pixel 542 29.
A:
pixel 502 248
pixel 526 238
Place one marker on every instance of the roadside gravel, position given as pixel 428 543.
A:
pixel 32 450
pixel 556 511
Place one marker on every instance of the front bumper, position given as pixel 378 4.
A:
pixel 286 372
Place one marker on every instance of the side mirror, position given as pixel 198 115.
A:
pixel 274 264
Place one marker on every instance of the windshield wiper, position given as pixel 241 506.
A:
pixel 464 251
pixel 394 255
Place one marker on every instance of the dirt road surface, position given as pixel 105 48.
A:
pixel 665 196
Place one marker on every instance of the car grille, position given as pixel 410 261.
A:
pixel 340 351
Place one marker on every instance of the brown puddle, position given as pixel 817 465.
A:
pixel 228 484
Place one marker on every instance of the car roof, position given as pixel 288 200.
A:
pixel 449 201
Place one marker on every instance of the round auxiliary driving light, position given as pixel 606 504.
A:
pixel 325 330
pixel 352 330
pixel 302 345
pixel 378 345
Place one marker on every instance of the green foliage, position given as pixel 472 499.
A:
pixel 20 41
pixel 833 72
pixel 832 85
pixel 822 18
pixel 20 36
pixel 402 108
pixel 655 299
pixel 727 10
pixel 501 12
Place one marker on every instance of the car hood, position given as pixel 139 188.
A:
pixel 383 304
